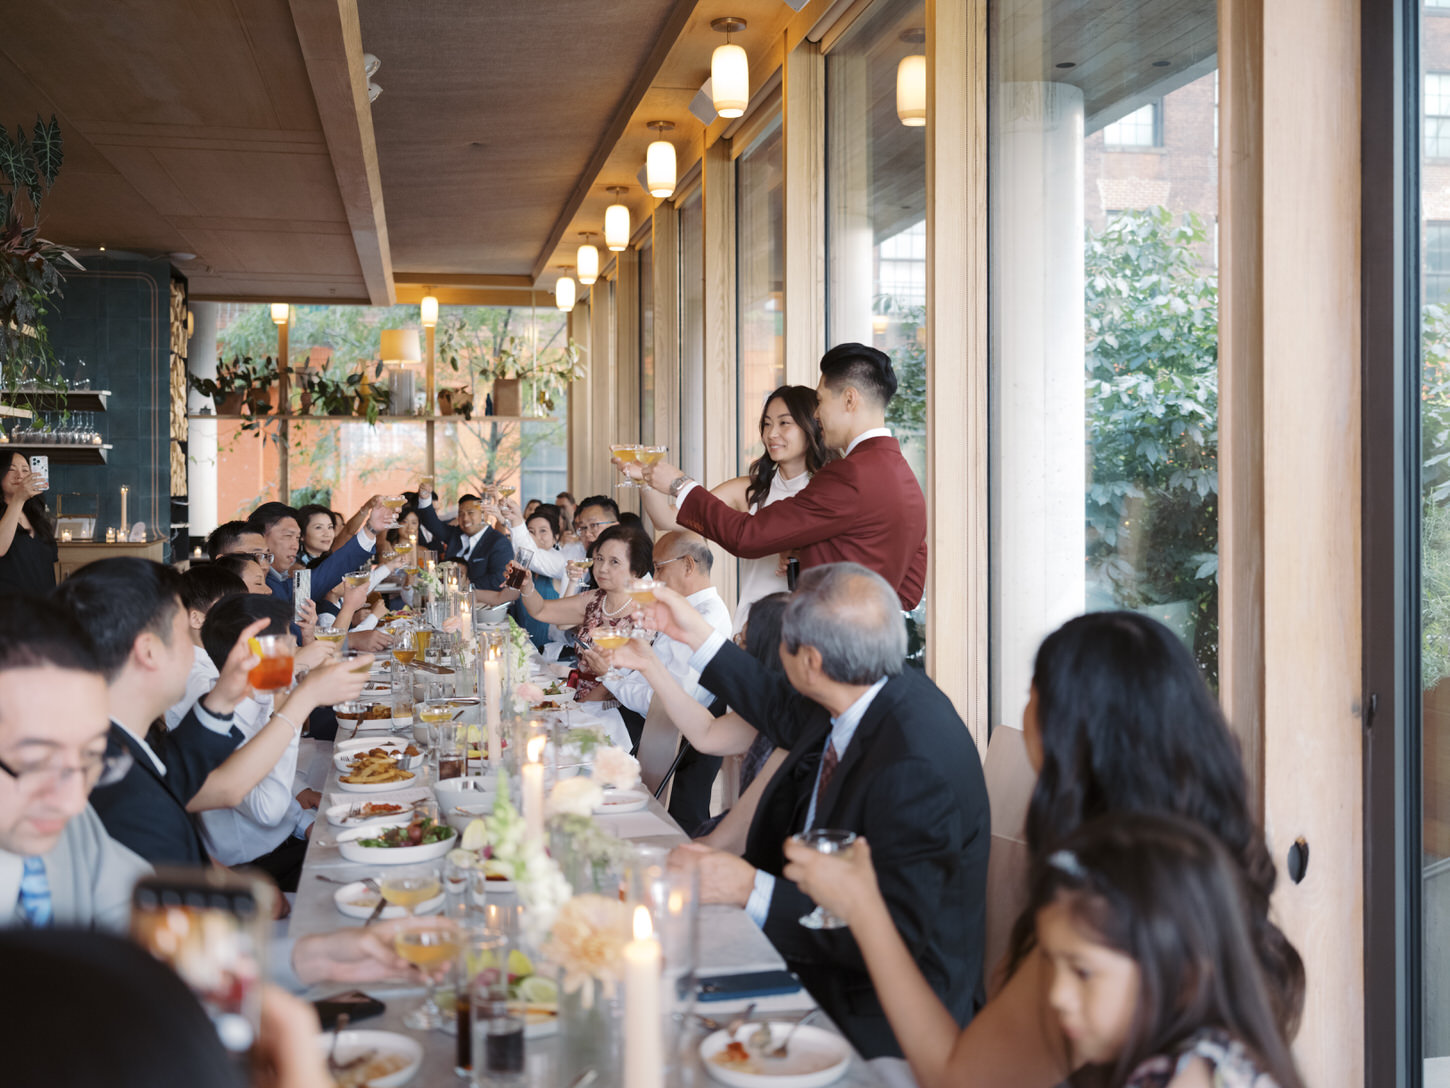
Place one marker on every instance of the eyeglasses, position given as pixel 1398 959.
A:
pixel 265 558
pixel 666 562
pixel 587 526
pixel 102 770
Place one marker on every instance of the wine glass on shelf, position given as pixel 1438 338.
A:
pixel 627 454
pixel 824 840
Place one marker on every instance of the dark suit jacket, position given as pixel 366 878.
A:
pixel 911 782
pixel 866 508
pixel 325 575
pixel 489 558
pixel 146 810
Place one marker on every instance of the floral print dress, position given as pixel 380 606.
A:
pixel 1229 1062
pixel 594 619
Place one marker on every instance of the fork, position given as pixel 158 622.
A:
pixel 781 1050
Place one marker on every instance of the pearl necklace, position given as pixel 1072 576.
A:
pixel 604 605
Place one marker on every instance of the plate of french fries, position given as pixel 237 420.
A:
pixel 407 755
pixel 374 771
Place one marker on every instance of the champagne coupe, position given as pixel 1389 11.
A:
pixel 825 841
pixel 652 455
pixel 577 568
pixel 394 503
pixel 627 455
pixel 610 638
pixel 428 950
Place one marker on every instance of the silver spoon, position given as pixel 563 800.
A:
pixel 738 1022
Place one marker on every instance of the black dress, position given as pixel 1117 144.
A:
pixel 29 566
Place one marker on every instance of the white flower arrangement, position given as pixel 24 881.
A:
pixel 574 797
pixel 615 768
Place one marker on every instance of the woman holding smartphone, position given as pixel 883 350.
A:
pixel 27 540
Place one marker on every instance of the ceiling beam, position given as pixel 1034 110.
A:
pixel 679 17
pixel 462 279
pixel 331 43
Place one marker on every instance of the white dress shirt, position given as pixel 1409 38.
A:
pixel 199 681
pixel 634 691
pixel 550 562
pixel 270 811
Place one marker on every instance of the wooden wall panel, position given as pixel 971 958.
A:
pixel 666 288
pixel 957 643
pixel 720 351
pixel 1290 462
pixel 626 366
pixel 804 138
pixel 581 396
pixel 601 377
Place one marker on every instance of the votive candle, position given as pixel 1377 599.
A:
pixel 532 773
pixel 644 1051
pixel 492 696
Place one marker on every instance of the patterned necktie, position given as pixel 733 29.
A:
pixel 829 759
pixel 35 904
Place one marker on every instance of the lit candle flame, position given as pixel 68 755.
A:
pixel 643 930
pixel 536 748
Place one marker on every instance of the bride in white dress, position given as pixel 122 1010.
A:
pixel 793 451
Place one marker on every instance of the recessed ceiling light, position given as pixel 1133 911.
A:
pixel 179 256
pixel 1161 63
pixel 1067 64
pixel 102 249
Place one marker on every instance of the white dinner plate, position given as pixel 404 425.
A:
pixel 337 814
pixel 817 1057
pixel 618 802
pixel 343 760
pixel 352 850
pixel 379 787
pixel 357 900
pixel 351 1044
pixel 359 744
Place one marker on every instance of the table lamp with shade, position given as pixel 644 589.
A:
pixel 399 352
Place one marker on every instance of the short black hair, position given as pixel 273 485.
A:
pixel 564 495
pixel 311 510
pixel 206 583
pixel 547 511
pixel 604 502
pixel 637 541
pixel 37 631
pixel 233 565
pixel 270 513
pixel 864 368
pixel 470 497
pixel 231 616
pixel 629 517
pixel 226 534
pixel 118 599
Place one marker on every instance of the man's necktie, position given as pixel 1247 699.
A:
pixel 35 905
pixel 829 759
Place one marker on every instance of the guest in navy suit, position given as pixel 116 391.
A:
pixel 471 541
pixel 281 528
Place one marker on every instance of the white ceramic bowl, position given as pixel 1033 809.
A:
pixel 357 900
pixel 352 850
pixel 351 1044
pixel 618 802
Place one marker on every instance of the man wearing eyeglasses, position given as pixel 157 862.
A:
pixel 57 864
pixel 595 514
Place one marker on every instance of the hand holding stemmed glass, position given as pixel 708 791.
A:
pixel 824 840
pixel 624 455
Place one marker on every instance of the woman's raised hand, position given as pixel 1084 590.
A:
pixel 842 883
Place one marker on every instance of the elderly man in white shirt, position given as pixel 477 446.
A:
pixel 682 561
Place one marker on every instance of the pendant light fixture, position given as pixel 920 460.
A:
pixel 280 313
pixel 616 221
pixel 428 311
pixel 588 259
pixel 729 71
pixel 564 291
pixel 911 82
pixel 659 161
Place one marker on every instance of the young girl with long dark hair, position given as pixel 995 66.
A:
pixel 1152 976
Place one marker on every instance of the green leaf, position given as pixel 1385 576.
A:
pixel 12 160
pixel 47 148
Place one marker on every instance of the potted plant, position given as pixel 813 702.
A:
pixel 243 386
pixel 30 266
pixel 551 376
pixel 505 369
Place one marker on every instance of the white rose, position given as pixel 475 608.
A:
pixel 575 797
pixel 616 768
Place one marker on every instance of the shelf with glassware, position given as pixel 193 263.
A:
pixel 60 453
pixel 50 400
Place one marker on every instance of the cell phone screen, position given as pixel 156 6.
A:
pixel 212 933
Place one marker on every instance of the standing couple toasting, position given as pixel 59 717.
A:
pixel 865 507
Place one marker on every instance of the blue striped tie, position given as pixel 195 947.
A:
pixel 35 894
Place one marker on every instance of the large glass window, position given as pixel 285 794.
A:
pixel 1104 322
pixel 692 334
pixel 760 273
pixel 876 199
pixel 1437 114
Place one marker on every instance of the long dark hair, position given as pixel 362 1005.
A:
pixel 1128 725
pixel 800 402
pixel 34 510
pixel 762 630
pixel 1163 891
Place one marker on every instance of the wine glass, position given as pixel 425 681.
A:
pixel 394 503
pixel 824 840
pixel 411 887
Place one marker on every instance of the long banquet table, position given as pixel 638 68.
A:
pixel 729 942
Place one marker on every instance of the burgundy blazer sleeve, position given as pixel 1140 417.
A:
pixel 914 585
pixel 822 510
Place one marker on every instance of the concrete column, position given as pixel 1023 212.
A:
pixel 201 453
pixel 1039 442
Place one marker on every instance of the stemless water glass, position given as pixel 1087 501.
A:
pixel 825 841
pixel 274 671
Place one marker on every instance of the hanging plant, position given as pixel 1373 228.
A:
pixel 30 266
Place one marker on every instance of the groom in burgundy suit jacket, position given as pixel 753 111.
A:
pixel 864 508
